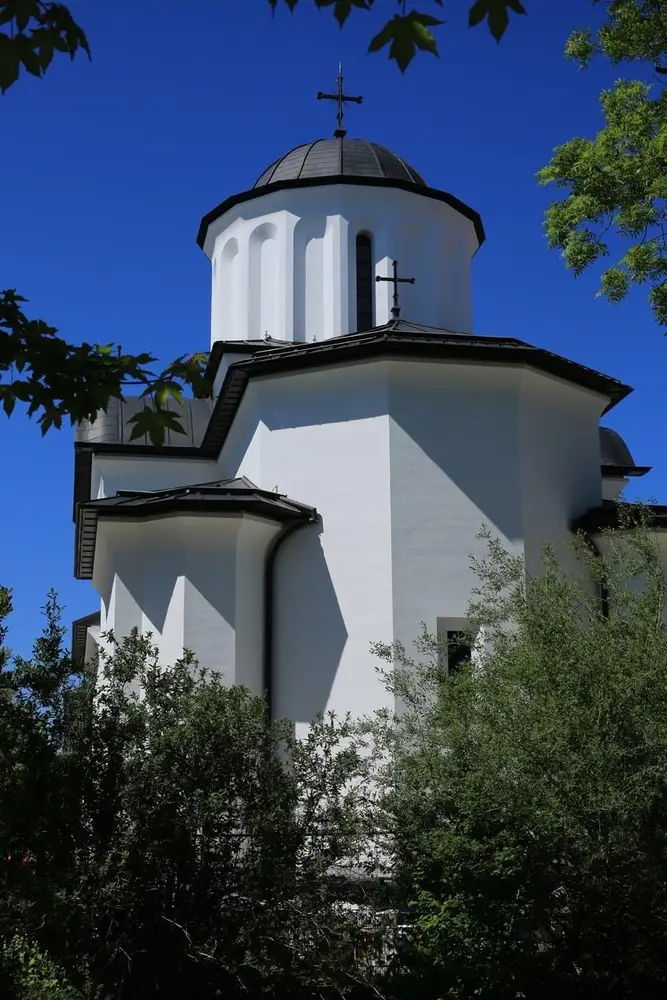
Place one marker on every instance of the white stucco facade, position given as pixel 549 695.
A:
pixel 330 494
pixel 283 264
pixel 406 461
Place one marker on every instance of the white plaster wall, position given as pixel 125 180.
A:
pixel 111 473
pixel 612 487
pixel 510 448
pixel 192 581
pixel 325 442
pixel 91 644
pixel 284 263
pixel 226 303
pixel 405 462
pixel 455 466
pixel 560 463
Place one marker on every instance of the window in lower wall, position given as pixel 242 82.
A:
pixel 455 643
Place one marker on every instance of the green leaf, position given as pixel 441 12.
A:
pixel 343 8
pixel 614 284
pixel 658 301
pixel 29 56
pixel 10 62
pixel 404 34
pixel 23 11
pixel 424 40
pixel 496 12
pixel 153 424
pixel 164 391
pixel 8 399
pixel 22 391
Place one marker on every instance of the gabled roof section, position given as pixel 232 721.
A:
pixel 396 339
pixel 236 497
pixel 247 347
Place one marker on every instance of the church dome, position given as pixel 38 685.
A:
pixel 339 157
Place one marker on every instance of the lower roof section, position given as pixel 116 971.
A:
pixel 224 497
pixel 208 422
pixel 80 628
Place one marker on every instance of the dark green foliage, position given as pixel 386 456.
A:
pixel 527 796
pixel 408 31
pixel 58 380
pixel 160 837
pixel 32 32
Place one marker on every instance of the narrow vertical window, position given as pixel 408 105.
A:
pixel 365 287
pixel 458 650
pixel 455 644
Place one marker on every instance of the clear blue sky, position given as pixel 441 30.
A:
pixel 108 166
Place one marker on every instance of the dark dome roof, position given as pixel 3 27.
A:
pixel 336 157
pixel 613 449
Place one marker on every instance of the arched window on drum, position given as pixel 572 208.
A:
pixel 365 282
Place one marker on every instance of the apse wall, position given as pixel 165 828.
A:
pixel 191 581
pixel 284 263
pixel 405 463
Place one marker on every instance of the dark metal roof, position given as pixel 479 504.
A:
pixel 339 157
pixel 607 514
pixel 221 347
pixel 623 471
pixel 359 180
pixel 398 338
pixel 226 496
pixel 617 462
pixel 114 426
pixel 613 449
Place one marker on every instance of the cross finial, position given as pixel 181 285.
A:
pixel 395 280
pixel 341 98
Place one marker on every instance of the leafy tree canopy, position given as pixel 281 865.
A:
pixel 616 183
pixel 160 836
pixel 527 795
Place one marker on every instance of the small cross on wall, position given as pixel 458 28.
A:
pixel 395 280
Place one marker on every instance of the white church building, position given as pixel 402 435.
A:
pixel 359 434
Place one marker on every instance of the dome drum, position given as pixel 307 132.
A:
pixel 290 265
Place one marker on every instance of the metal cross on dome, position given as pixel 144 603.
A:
pixel 341 98
pixel 395 280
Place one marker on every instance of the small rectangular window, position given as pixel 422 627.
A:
pixel 454 642
pixel 458 650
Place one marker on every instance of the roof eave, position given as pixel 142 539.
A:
pixel 281 510
pixel 313 182
pixel 80 628
pixel 623 471
pixel 382 341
